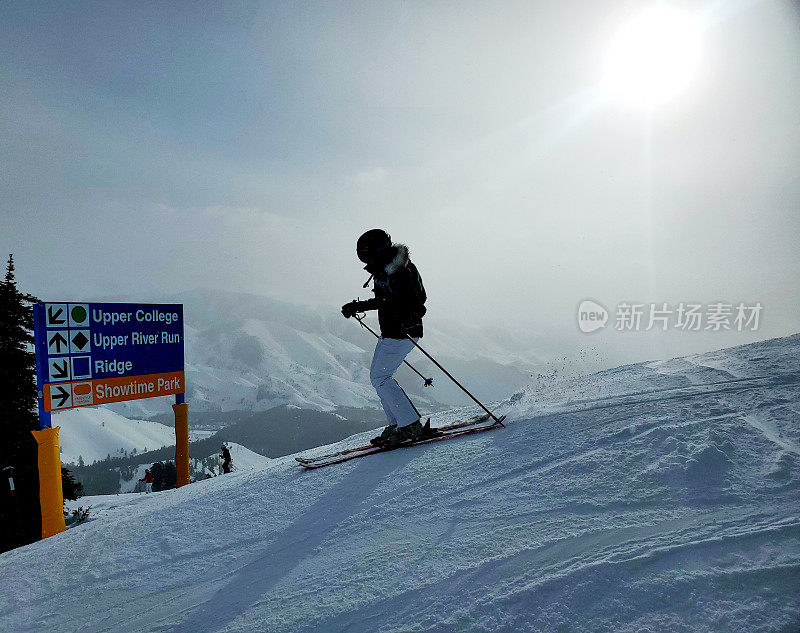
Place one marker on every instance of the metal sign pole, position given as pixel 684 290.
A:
pixel 181 410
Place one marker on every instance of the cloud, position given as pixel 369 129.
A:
pixel 371 176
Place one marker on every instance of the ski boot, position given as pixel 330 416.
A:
pixel 407 433
pixel 413 432
pixel 427 431
pixel 383 438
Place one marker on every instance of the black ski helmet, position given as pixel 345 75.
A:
pixel 371 244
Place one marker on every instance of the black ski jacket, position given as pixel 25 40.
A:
pixel 399 295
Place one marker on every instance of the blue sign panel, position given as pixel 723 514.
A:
pixel 94 353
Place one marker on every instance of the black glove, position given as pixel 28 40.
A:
pixel 350 309
pixel 354 307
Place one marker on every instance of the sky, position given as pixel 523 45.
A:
pixel 151 148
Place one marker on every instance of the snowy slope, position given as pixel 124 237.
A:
pixel 640 502
pixel 763 363
pixel 94 433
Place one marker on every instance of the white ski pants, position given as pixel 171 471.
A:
pixel 389 355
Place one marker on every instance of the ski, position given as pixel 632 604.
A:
pixel 455 425
pixel 474 425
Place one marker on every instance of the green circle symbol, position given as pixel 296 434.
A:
pixel 78 314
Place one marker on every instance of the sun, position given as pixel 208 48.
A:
pixel 653 57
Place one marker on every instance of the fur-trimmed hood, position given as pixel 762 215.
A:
pixel 398 261
pixel 399 293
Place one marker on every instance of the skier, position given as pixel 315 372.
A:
pixel 400 302
pixel 148 481
pixel 226 459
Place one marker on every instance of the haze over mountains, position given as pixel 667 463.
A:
pixel 253 353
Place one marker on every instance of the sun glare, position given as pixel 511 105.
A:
pixel 653 57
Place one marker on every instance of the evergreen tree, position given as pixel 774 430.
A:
pixel 165 476
pixel 158 476
pixel 72 488
pixel 20 514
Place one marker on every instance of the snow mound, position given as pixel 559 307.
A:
pixel 95 433
pixel 643 503
pixel 243 460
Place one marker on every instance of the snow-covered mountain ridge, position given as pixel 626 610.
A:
pixel 631 500
pixel 91 434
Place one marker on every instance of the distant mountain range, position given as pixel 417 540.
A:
pixel 252 353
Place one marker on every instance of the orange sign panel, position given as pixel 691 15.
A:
pixel 67 395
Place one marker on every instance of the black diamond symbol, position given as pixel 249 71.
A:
pixel 80 340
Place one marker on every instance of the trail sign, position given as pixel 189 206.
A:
pixel 94 353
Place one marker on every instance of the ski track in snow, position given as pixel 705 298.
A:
pixel 640 505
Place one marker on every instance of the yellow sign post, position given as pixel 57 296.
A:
pixel 51 496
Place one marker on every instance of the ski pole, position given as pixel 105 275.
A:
pixel 428 381
pixel 450 376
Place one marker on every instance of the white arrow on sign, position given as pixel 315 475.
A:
pixel 55 314
pixel 59 369
pixel 60 396
pixel 58 342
